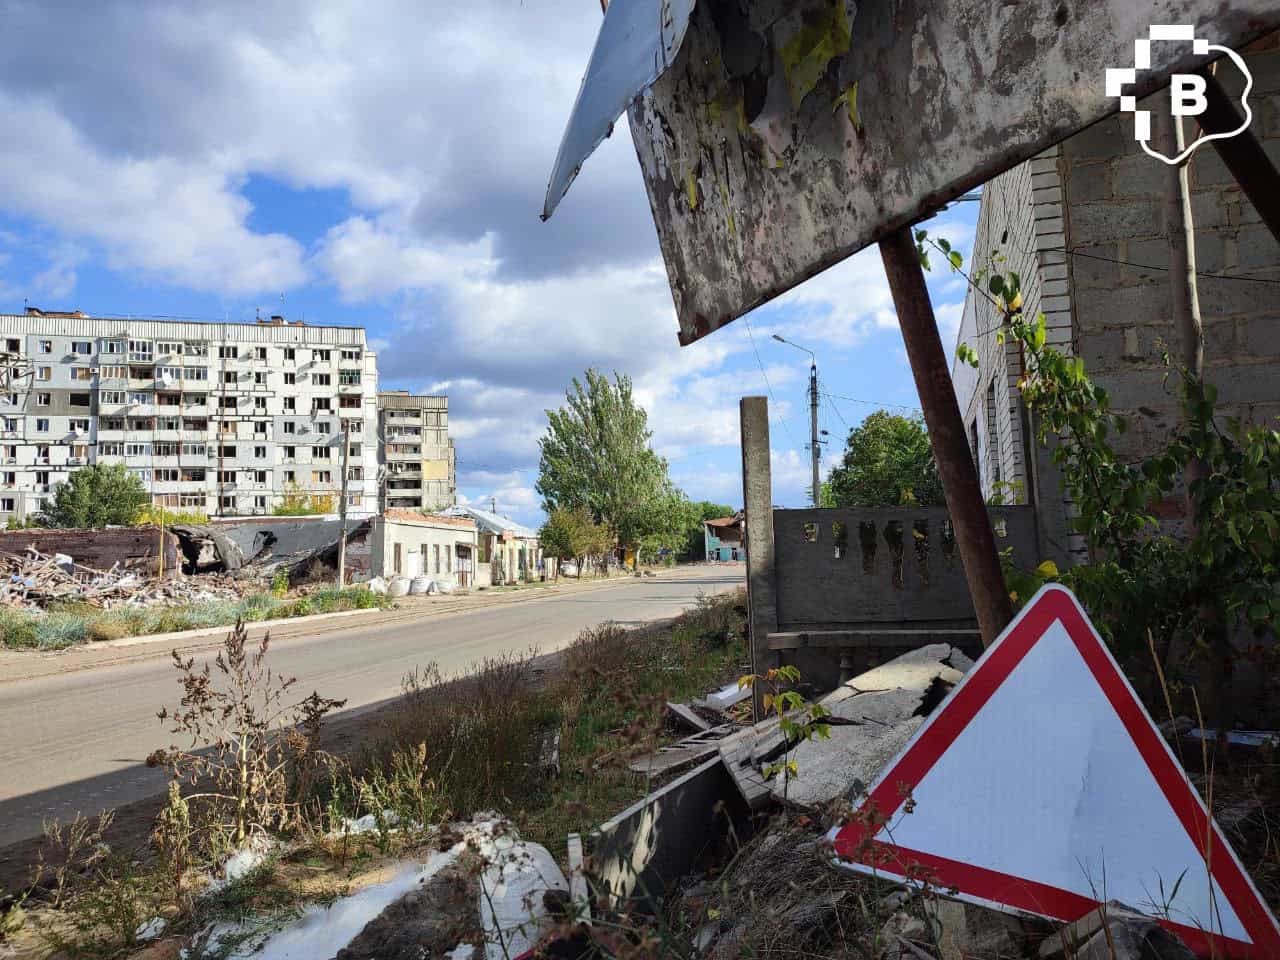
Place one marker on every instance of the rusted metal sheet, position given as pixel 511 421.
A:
pixel 789 134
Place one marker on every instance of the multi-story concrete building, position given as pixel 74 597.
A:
pixel 419 468
pixel 224 418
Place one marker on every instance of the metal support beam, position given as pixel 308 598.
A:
pixel 757 503
pixel 1242 154
pixel 963 493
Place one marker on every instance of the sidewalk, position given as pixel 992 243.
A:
pixel 16 666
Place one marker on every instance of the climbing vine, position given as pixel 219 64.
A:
pixel 1221 573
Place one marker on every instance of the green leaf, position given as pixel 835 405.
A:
pixel 996 284
pixel 956 259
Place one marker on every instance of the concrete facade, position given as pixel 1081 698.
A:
pixel 222 418
pixel 510 550
pixel 409 543
pixel 418 461
pixel 1083 224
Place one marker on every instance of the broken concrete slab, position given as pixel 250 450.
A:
pixel 683 714
pixel 725 697
pixel 1114 932
pixel 670 759
pixel 881 710
pixel 654 842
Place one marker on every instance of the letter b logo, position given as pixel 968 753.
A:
pixel 1187 93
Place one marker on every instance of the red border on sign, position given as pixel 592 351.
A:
pixel 1053 603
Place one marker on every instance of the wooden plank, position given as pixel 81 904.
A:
pixel 835 639
pixel 669 759
pixel 755 791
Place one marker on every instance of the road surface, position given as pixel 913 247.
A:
pixel 76 742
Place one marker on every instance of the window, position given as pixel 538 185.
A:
pixel 259 503
pixel 320 453
pixel 137 449
pixel 290 353
pixel 226 353
pixel 78 399
pixel 83 347
pixel 8 504
pixel 348 377
pixel 260 403
pixel 9 478
pixel 435 554
pixel 290 403
pixel 166 448
pixel 46 346
pixel 290 452
pixel 10 423
pixel 195 373
pixel 260 453
pixel 169 349
pixel 42 453
pixel 290 379
pixel 320 403
pixel 140 423
pixel 321 476
pixel 353 426
pixel 169 373
pixel 226 403
pixel 42 400
pixel 113 346
pixel 350 354
pixel 321 355
pixel 138 397
pixel 78 425
pixel 320 379
pixel 167 475
pixel 168 423
pixel 195 425
pixel 290 427
pixel 111 423
pixel 226 450
pixel 196 350
pixel 290 477
pixel 226 476
pixel 104 396
pixel 323 426
pixel 229 376
pixel 193 474
pixel 140 349
pixel 191 500
pixel 259 476
pixel 260 352
pixel 81 373
pixel 113 373
pixel 10 451
pixel 260 428
pixel 44 373
pixel 194 450
pixel 42 478
pixel 349 402
pixel 448 559
pixel 110 450
pixel 227 501
pixel 260 377
pixel 42 425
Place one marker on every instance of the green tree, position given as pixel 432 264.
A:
pixel 96 496
pixel 572 534
pixel 887 461
pixel 596 455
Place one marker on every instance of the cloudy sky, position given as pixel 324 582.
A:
pixel 383 164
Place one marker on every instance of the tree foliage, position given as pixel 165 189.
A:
pixel 887 462
pixel 694 542
pixel 96 496
pixel 296 502
pixel 572 534
pixel 595 455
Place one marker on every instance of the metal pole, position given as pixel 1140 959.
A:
pixel 960 486
pixel 1242 154
pixel 342 510
pixel 815 452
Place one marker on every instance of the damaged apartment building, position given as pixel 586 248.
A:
pixel 222 418
pixel 419 466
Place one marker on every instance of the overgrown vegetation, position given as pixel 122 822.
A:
pixel 1192 596
pixel 69 624
pixel 296 502
pixel 96 496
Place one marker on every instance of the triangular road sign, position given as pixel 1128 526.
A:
pixel 1041 785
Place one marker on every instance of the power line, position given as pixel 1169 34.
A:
pixel 1147 266
pixel 872 403
pixel 768 386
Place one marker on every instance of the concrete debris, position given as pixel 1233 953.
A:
pixel 724 698
pixel 515 909
pixel 33 581
pixel 1114 932
pixel 874 715
pixel 686 716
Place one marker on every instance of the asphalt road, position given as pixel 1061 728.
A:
pixel 76 742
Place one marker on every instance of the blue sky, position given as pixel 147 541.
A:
pixel 384 167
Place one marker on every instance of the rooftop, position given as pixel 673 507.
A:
pixel 429 519
pixel 492 522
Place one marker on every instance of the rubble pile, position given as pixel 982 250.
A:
pixel 33 581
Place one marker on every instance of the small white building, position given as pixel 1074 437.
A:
pixel 509 550
pixel 410 543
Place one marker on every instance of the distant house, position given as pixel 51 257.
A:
pixel 724 538
pixel 510 550
pixel 410 543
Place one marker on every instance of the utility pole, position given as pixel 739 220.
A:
pixel 815 448
pixel 342 509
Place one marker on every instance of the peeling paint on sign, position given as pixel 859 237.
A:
pixel 938 95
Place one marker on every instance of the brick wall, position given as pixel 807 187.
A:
pixel 1115 199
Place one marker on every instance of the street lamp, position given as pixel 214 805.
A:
pixel 815 452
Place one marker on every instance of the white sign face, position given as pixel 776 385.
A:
pixel 1041 785
pixel 1186 90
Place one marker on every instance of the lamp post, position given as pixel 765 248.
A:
pixel 815 451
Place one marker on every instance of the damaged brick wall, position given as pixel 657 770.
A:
pixel 132 547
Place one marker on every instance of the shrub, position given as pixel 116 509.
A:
pixel 17 630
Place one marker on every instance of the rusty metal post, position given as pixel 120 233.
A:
pixel 963 493
pixel 757 504
pixel 1242 154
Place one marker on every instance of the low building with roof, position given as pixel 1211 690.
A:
pixel 411 543
pixel 724 538
pixel 511 549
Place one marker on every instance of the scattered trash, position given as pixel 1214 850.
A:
pixel 1239 738
pixel 377 585
pixel 724 698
